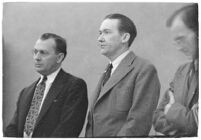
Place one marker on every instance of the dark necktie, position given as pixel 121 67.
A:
pixel 107 73
pixel 192 74
pixel 193 79
pixel 35 107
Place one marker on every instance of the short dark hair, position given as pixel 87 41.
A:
pixel 125 25
pixel 60 42
pixel 189 15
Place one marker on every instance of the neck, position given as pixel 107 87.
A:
pixel 112 58
pixel 53 70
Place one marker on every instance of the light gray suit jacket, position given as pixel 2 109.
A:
pixel 182 115
pixel 125 104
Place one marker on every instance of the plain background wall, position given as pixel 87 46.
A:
pixel 79 23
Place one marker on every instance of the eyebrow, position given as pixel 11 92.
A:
pixel 39 50
pixel 104 30
pixel 179 37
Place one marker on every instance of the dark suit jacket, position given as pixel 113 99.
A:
pixel 63 111
pixel 180 116
pixel 125 104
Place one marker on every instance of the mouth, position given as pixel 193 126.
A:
pixel 38 65
pixel 185 51
pixel 180 48
pixel 102 45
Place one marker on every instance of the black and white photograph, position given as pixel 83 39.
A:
pixel 116 69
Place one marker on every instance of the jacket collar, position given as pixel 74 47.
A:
pixel 123 68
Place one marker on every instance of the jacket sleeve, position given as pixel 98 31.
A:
pixel 12 128
pixel 146 91
pixel 178 118
pixel 160 123
pixel 184 119
pixel 73 112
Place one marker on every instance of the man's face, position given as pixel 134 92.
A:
pixel 184 38
pixel 45 57
pixel 110 39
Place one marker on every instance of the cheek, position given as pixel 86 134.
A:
pixel 113 38
pixel 50 62
pixel 189 44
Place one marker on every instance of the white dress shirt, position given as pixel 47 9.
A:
pixel 118 60
pixel 49 81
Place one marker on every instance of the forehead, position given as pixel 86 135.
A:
pixel 47 44
pixel 109 24
pixel 178 26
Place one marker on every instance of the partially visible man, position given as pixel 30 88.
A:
pixel 127 93
pixel 56 104
pixel 177 114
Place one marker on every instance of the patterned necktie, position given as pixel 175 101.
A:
pixel 34 108
pixel 107 73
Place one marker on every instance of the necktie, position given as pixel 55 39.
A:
pixel 192 74
pixel 107 73
pixel 34 108
pixel 192 81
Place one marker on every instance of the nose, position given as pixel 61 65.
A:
pixel 101 38
pixel 37 56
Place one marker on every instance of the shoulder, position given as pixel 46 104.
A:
pixel 143 65
pixel 72 79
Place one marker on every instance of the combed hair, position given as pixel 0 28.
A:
pixel 60 42
pixel 126 25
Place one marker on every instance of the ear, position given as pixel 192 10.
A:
pixel 60 57
pixel 125 37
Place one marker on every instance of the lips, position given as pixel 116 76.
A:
pixel 102 45
pixel 38 65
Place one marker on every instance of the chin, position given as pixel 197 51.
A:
pixel 40 71
pixel 103 52
pixel 189 57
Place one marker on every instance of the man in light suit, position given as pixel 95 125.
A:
pixel 123 105
pixel 61 110
pixel 177 113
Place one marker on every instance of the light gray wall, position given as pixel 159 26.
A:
pixel 79 23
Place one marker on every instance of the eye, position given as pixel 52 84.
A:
pixel 106 32
pixel 179 39
pixel 34 51
pixel 40 52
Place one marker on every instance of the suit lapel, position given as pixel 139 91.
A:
pixel 192 89
pixel 181 86
pixel 123 68
pixel 52 94
pixel 97 91
pixel 25 104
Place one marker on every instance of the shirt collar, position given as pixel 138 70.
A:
pixel 117 61
pixel 195 62
pixel 51 77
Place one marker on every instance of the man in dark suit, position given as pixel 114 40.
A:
pixel 177 113
pixel 127 93
pixel 56 104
